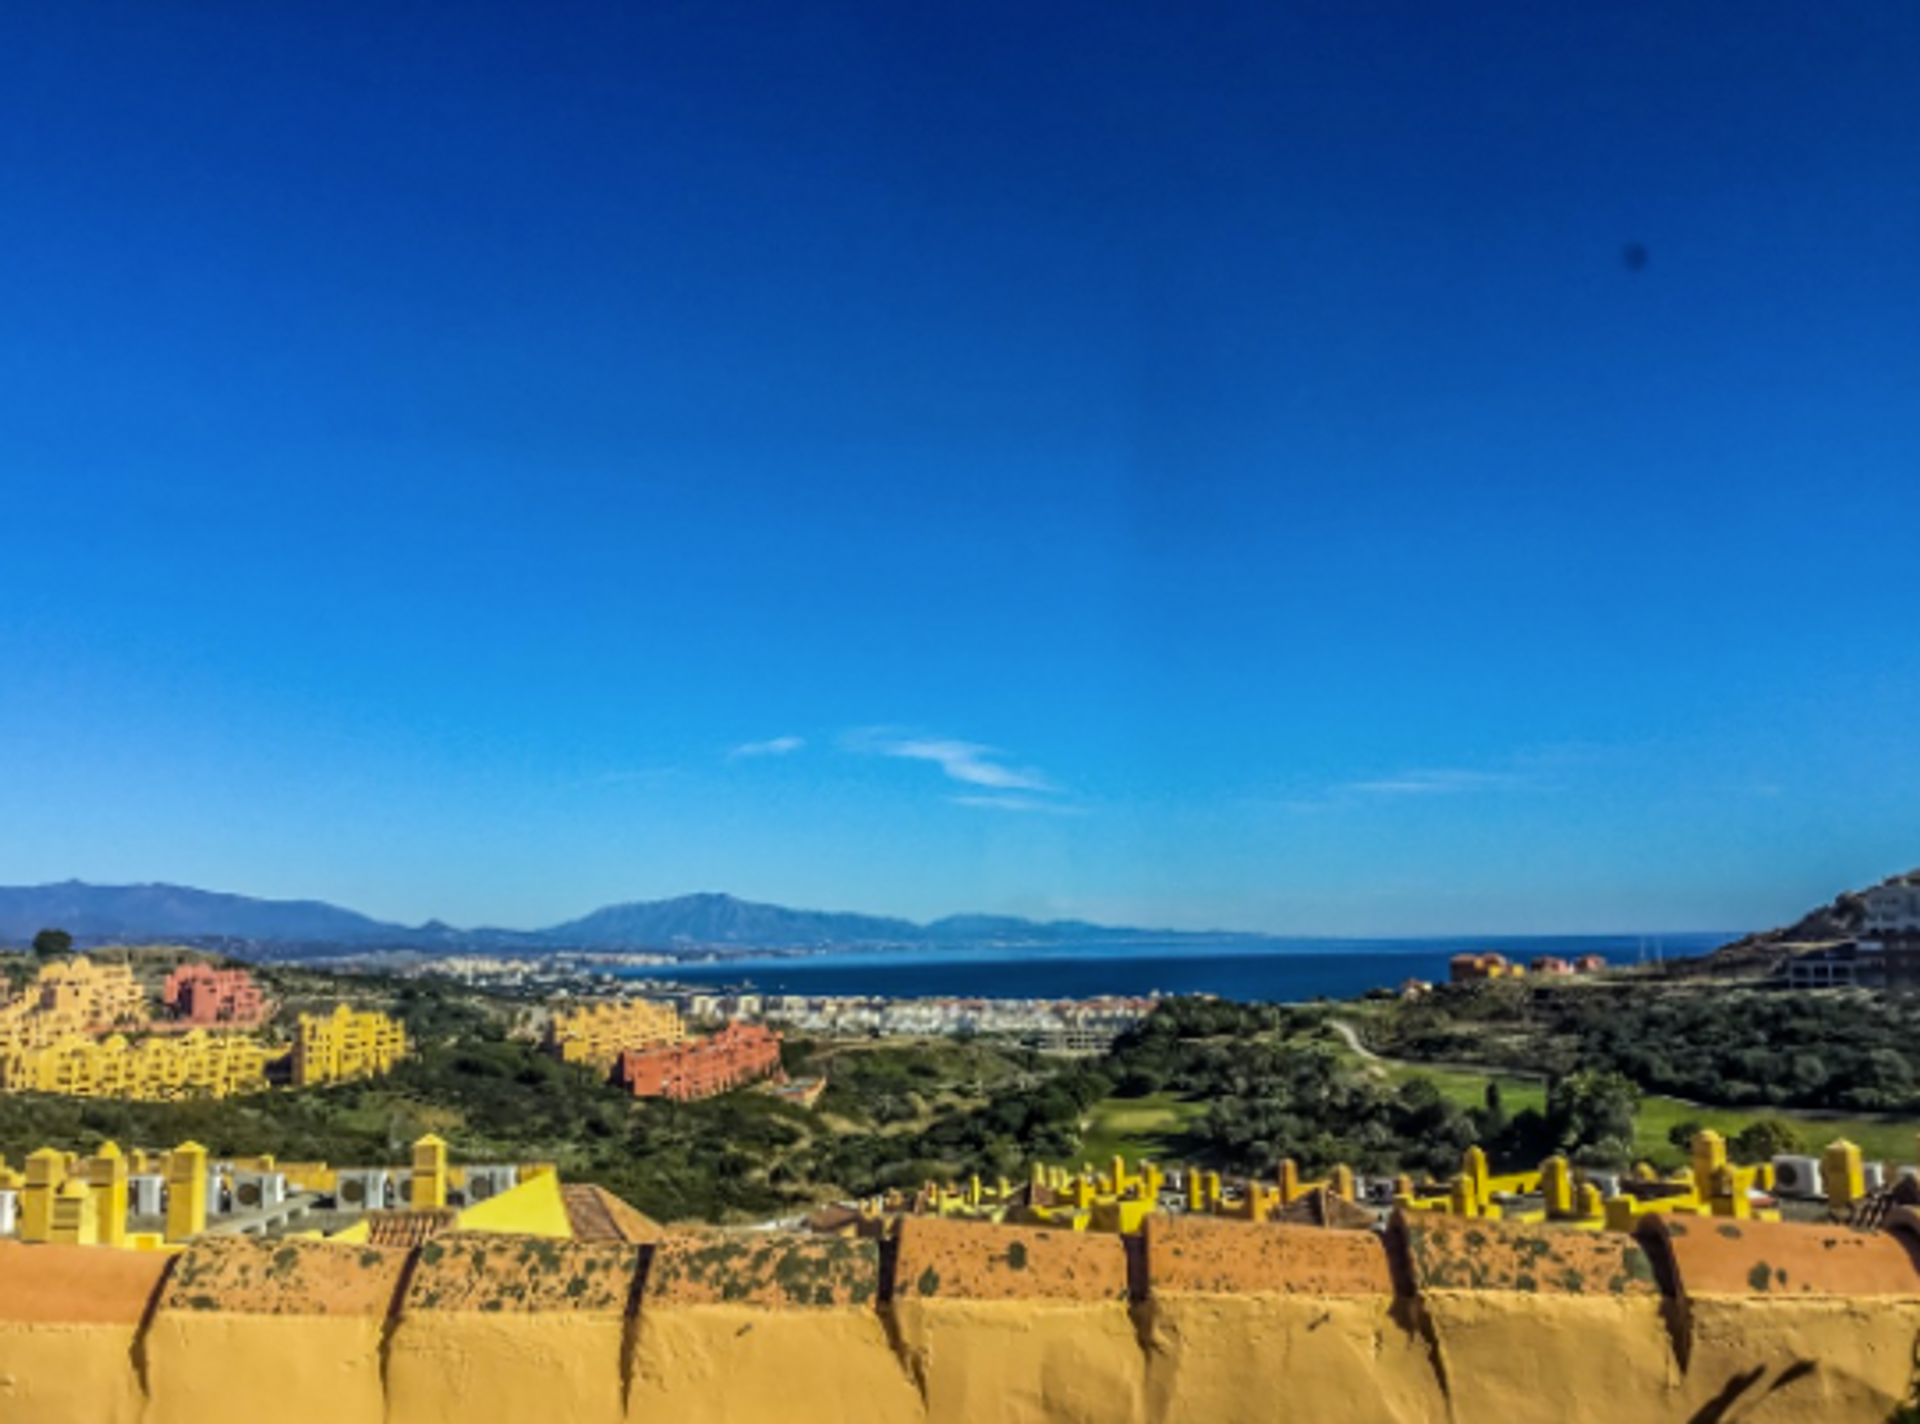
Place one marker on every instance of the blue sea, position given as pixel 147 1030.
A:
pixel 1250 970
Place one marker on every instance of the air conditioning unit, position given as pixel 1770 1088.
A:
pixel 400 1189
pixel 147 1195
pixel 9 1209
pixel 219 1195
pixel 1607 1183
pixel 1875 1175
pixel 486 1183
pixel 255 1191
pixel 1798 1177
pixel 361 1189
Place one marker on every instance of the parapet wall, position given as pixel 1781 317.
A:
pixel 1443 1319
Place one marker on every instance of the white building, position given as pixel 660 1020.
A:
pixel 1893 908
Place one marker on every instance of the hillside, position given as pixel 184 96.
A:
pixel 1760 953
pixel 722 920
pixel 135 912
pixel 96 912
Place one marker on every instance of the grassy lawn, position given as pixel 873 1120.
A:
pixel 1892 1141
pixel 1153 1126
pixel 1469 1090
pixel 1887 1141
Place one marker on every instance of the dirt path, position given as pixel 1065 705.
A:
pixel 1367 1055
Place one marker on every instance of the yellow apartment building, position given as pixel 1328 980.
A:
pixel 329 1048
pixel 102 996
pixel 597 1034
pixel 191 1065
pixel 72 999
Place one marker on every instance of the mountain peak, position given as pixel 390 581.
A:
pixel 706 917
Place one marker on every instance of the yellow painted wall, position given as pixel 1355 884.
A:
pixel 211 1365
pixel 74 1350
pixel 1227 1360
pixel 720 1364
pixel 464 1367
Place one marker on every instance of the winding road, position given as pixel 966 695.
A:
pixel 1367 1055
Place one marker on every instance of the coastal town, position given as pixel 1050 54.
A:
pixel 789 1099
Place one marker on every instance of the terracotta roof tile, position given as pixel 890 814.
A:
pixel 598 1215
pixel 408 1228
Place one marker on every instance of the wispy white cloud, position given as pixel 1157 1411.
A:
pixel 967 762
pixel 776 746
pixel 996 781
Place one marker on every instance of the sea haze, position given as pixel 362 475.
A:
pixel 1251 970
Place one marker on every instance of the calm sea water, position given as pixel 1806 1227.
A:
pixel 1287 971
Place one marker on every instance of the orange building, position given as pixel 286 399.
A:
pixel 1471 968
pixel 737 1054
pixel 200 996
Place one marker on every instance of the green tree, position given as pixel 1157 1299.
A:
pixel 52 944
pixel 1591 1108
pixel 1766 1138
pixel 1681 1134
pixel 1492 1121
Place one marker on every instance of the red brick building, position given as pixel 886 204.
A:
pixel 200 996
pixel 701 1067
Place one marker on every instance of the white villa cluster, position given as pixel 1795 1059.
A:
pixel 1066 1025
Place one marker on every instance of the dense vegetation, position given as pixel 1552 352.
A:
pixel 893 1116
pixel 1275 1090
pixel 1731 1047
pixel 1272 1081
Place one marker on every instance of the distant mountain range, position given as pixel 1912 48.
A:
pixel 93 913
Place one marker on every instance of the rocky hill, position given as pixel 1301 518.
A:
pixel 1761 953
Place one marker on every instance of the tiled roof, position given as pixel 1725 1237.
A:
pixel 408 1228
pixel 1870 1213
pixel 598 1215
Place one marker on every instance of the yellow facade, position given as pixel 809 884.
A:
pixel 103 996
pixel 598 1034
pixel 428 1190
pixel 68 1000
pixel 106 1173
pixel 330 1048
pixel 189 1065
pixel 186 1191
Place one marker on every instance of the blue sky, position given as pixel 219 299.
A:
pixel 1182 465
